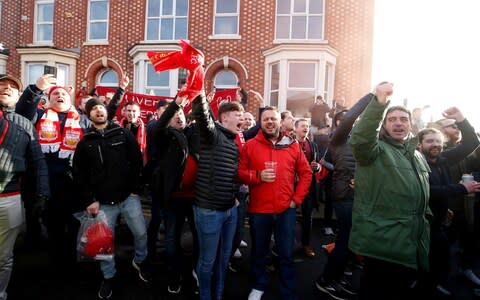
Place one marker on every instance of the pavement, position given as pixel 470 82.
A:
pixel 34 279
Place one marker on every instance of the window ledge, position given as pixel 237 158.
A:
pixel 286 41
pixel 225 37
pixel 41 44
pixel 96 43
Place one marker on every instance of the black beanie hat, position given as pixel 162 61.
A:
pixel 91 103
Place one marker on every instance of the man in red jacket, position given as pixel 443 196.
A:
pixel 275 192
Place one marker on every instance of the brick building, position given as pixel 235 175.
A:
pixel 288 50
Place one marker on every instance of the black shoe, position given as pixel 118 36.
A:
pixel 346 286
pixel 105 291
pixel 234 265
pixel 143 269
pixel 333 289
pixel 174 288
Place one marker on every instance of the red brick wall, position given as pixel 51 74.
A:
pixel 348 29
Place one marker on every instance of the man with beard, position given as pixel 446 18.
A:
pixel 107 166
pixel 19 153
pixel 59 128
pixel 389 218
pixel 269 164
pixel 442 189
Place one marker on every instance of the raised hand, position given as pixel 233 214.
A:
pixel 383 90
pixel 453 113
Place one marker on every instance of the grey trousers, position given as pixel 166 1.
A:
pixel 11 219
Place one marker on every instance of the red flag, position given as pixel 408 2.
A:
pixel 219 97
pixel 189 58
pixel 103 90
pixel 163 61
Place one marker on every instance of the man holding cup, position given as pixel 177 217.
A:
pixel 279 176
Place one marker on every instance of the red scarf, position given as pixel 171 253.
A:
pixel 52 139
pixel 141 136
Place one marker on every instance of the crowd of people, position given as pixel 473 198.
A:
pixel 398 194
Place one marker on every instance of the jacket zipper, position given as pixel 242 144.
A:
pixel 100 152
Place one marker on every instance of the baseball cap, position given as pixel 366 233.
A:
pixel 14 79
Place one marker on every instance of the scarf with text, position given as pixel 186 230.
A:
pixel 141 135
pixel 52 139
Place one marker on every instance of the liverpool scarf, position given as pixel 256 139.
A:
pixel 52 139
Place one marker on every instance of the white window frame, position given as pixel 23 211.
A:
pixel 284 54
pixel 51 57
pixel 226 86
pixel 306 14
pixel 162 16
pixel 36 23
pixel 140 62
pixel 229 35
pixel 98 82
pixel 89 22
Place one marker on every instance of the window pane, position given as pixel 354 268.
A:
pixel 226 25
pixel 274 99
pixel 300 6
pixel 167 7
pixel 109 77
pixel 301 75
pixel 166 29
pixel 182 77
pixel 157 79
pixel 153 8
pixel 98 31
pixel 315 27
pixel 316 6
pixel 62 75
pixel 299 27
pixel 299 101
pixel 275 73
pixel 98 10
pixel 226 6
pixel 182 8
pixel 44 32
pixel 45 13
pixel 225 79
pixel 283 6
pixel 160 92
pixel 283 27
pixel 181 28
pixel 34 72
pixel 152 29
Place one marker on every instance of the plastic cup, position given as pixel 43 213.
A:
pixel 272 166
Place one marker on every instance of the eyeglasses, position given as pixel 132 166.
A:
pixel 454 126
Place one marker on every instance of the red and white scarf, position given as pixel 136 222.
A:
pixel 52 139
pixel 141 135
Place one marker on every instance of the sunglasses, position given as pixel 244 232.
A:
pixel 454 126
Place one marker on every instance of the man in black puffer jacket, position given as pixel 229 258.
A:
pixel 106 166
pixel 216 185
pixel 19 152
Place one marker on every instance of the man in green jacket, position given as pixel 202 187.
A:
pixel 389 221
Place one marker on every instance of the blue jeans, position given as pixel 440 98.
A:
pixel 174 220
pixel 337 260
pixel 241 211
pixel 157 212
pixel 11 219
pixel 283 227
pixel 131 210
pixel 215 230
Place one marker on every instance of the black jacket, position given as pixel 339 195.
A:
pixel 172 148
pixel 442 188
pixel 107 165
pixel 20 152
pixel 341 151
pixel 216 183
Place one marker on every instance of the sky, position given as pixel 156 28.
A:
pixel 430 50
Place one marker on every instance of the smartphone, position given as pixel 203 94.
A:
pixel 50 70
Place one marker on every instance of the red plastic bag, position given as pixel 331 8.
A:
pixel 322 174
pixel 95 238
